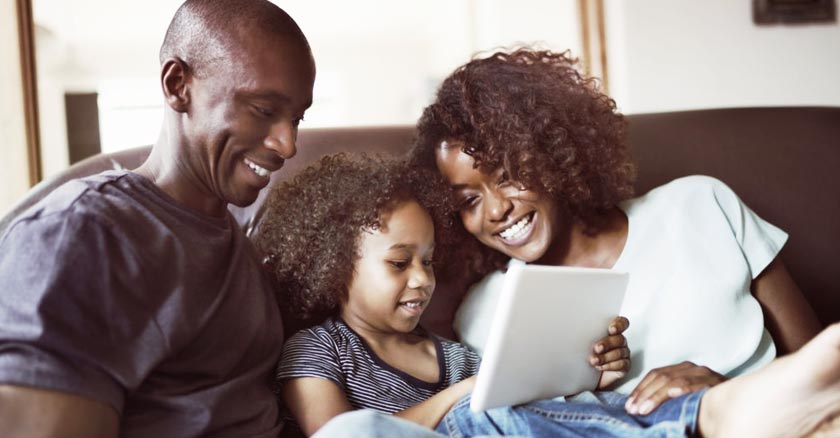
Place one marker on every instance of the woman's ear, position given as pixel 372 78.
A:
pixel 174 79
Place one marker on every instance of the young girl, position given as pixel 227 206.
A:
pixel 351 245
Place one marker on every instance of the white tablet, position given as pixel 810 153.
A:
pixel 546 322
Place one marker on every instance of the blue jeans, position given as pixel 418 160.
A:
pixel 587 414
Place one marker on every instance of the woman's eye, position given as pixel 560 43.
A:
pixel 468 202
pixel 399 264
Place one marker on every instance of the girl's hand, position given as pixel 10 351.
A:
pixel 611 355
pixel 669 382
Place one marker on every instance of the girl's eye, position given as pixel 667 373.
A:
pixel 428 263
pixel 399 264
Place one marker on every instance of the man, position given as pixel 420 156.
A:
pixel 130 302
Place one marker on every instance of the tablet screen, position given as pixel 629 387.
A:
pixel 546 322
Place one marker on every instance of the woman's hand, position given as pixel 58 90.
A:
pixel 669 382
pixel 611 355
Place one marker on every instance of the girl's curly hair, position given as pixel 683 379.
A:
pixel 532 113
pixel 310 230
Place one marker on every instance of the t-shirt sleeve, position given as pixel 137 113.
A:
pixel 310 353
pixel 72 317
pixel 461 362
pixel 760 241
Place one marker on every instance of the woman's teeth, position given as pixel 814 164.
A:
pixel 518 229
pixel 257 169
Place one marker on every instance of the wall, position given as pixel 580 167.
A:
pixel 378 62
pixel 14 170
pixel 679 54
pixel 104 46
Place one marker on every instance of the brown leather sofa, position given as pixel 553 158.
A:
pixel 783 162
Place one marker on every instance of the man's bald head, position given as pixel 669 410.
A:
pixel 205 32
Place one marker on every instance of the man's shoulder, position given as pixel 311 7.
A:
pixel 112 204
pixel 102 195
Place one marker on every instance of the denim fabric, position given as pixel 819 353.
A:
pixel 599 414
pixel 367 423
pixel 587 414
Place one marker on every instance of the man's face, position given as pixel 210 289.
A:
pixel 244 115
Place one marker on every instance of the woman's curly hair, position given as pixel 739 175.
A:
pixel 310 230
pixel 534 114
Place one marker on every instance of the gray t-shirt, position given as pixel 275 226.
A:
pixel 111 290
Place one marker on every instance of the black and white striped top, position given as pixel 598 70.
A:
pixel 335 352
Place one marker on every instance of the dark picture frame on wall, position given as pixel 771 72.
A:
pixel 794 11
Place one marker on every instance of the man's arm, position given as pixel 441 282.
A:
pixel 31 412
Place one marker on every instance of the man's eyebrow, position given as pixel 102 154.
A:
pixel 275 96
pixel 266 94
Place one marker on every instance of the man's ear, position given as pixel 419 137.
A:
pixel 174 80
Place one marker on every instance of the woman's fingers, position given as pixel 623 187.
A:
pixel 668 382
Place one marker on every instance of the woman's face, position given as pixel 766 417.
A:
pixel 500 213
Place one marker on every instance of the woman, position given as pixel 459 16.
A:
pixel 538 161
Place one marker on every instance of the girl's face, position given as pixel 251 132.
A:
pixel 500 213
pixel 393 279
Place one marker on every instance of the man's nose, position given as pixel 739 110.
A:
pixel 282 138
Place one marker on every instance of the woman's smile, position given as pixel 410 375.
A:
pixel 518 233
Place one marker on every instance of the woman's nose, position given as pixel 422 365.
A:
pixel 498 206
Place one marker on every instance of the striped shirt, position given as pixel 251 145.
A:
pixel 335 352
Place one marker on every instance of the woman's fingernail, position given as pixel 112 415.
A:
pixel 646 407
pixel 599 348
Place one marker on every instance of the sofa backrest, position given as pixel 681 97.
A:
pixel 783 162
